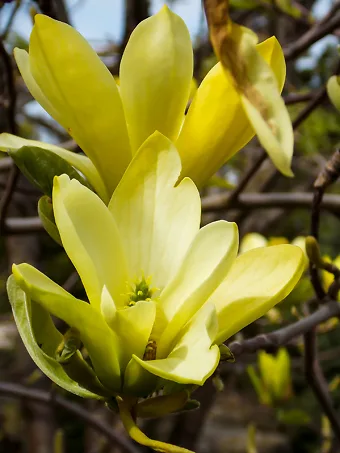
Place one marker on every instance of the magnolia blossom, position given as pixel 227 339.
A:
pixel 111 122
pixel 163 293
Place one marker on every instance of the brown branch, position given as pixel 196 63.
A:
pixel 21 392
pixel 250 201
pixel 280 337
pixel 295 98
pixel 7 195
pixel 311 36
pixel 317 381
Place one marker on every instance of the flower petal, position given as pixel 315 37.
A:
pixel 203 268
pixel 91 239
pixel 133 326
pixel 81 163
pixel 216 126
pixel 82 92
pixel 193 359
pixel 259 279
pixel 42 339
pixel 255 82
pixel 155 76
pixel 157 221
pixel 94 332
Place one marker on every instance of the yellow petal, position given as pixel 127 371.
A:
pixel 204 267
pixel 157 221
pixel 95 333
pixel 133 325
pixel 216 126
pixel 257 281
pixel 333 90
pixel 91 239
pixel 252 241
pixel 82 91
pixel 193 359
pixel 78 161
pixel 255 82
pixel 155 77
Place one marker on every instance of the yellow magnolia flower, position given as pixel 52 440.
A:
pixel 110 123
pixel 163 293
pixel 153 278
pixel 274 382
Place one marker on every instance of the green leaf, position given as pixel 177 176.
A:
pixel 40 166
pixel 162 405
pixel 45 212
pixel 42 339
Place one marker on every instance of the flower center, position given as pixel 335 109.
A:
pixel 140 291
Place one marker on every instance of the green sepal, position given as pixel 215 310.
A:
pixel 226 354
pixel 41 339
pixel 45 212
pixel 162 405
pixel 190 405
pixel 69 345
pixel 41 166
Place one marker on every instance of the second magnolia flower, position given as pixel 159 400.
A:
pixel 110 123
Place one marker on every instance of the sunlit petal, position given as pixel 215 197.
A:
pixel 155 76
pixel 91 239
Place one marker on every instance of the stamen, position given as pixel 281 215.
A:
pixel 150 350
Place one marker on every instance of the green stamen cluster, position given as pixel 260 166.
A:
pixel 141 291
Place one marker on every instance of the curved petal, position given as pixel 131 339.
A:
pixel 216 126
pixel 23 62
pixel 82 91
pixel 155 76
pixel 258 280
pixel 91 239
pixel 94 332
pixel 193 359
pixel 252 241
pixel 81 163
pixel 157 221
pixel 41 339
pixel 203 268
pixel 133 325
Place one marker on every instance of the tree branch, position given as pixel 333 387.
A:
pixel 21 392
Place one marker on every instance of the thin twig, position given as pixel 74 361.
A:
pixel 7 195
pixel 21 392
pixel 311 36
pixel 313 370
pixel 295 98
pixel 280 337
pixel 317 381
pixel 249 201
pixel 10 20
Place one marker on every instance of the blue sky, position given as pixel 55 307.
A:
pixel 106 21
pixel 99 24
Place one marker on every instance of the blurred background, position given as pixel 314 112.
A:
pixel 261 403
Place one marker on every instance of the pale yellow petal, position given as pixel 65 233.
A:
pixel 100 341
pixel 78 161
pixel 216 126
pixel 204 267
pixel 193 359
pixel 157 221
pixel 84 94
pixel 155 76
pixel 252 241
pixel 333 90
pixel 91 239
pixel 133 325
pixel 257 281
